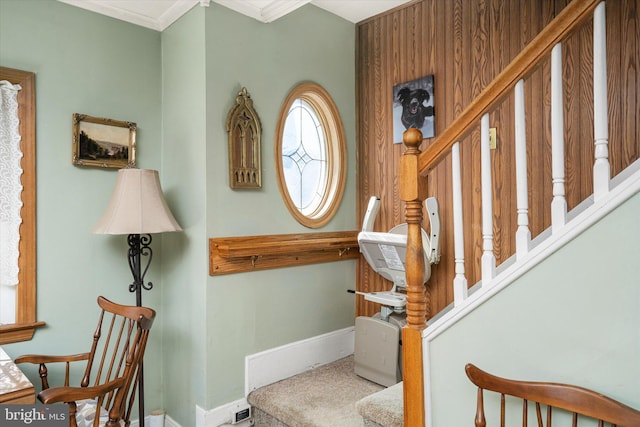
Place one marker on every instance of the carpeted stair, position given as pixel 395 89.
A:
pixel 331 395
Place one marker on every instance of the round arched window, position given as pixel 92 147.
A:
pixel 310 155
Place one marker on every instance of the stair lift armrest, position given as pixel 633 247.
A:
pixel 434 229
pixel 371 214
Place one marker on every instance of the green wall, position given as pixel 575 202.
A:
pixel 91 64
pixel 178 86
pixel 184 164
pixel 254 311
pixel 572 319
pixel 248 312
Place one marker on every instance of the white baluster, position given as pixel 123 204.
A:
pixel 488 260
pixel 523 234
pixel 559 203
pixel 460 287
pixel 601 167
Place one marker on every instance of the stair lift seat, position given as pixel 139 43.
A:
pixel 378 338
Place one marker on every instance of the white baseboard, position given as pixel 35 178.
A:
pixel 168 422
pixel 267 367
pixel 218 416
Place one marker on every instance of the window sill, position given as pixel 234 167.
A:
pixel 18 332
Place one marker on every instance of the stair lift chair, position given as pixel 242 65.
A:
pixel 378 351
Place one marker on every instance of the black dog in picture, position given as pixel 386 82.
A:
pixel 414 108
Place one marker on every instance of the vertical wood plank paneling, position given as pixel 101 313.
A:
pixel 507 146
pixel 502 119
pixel 466 158
pixel 584 176
pixel 633 85
pixel 541 162
pixel 362 177
pixel 480 76
pixel 629 66
pixel 513 44
pixel 534 118
pixel 440 180
pixel 465 43
pixel 572 106
pixel 394 151
pixel 383 75
pixel 455 89
pixel 546 147
pixel 616 57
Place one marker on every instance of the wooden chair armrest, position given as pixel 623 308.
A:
pixel 72 394
pixel 40 358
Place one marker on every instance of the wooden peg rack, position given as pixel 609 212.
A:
pixel 250 253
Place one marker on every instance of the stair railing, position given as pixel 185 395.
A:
pixel 415 166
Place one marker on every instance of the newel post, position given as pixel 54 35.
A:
pixel 413 189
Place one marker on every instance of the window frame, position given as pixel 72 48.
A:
pixel 327 112
pixel 24 327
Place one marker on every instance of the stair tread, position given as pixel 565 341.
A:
pixel 322 397
pixel 384 408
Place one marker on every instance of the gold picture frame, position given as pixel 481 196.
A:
pixel 105 143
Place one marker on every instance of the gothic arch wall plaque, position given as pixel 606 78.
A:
pixel 244 129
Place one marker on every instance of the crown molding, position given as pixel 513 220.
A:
pixel 160 14
pixel 271 11
pixel 279 8
pixel 175 11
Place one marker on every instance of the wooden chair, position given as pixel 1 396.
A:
pixel 575 400
pixel 111 369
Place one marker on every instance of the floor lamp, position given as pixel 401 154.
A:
pixel 137 208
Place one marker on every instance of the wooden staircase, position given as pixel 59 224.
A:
pixel 415 167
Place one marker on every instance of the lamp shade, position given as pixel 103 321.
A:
pixel 137 206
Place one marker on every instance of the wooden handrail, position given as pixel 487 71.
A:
pixel 526 61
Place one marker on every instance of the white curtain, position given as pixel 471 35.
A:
pixel 10 198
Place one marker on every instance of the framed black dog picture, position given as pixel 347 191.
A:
pixel 413 107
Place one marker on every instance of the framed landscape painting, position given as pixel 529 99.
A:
pixel 103 143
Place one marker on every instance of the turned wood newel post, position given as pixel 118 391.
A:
pixel 413 189
pixel 413 192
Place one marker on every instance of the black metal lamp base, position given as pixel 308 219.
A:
pixel 139 246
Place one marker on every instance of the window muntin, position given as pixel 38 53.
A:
pixel 310 155
pixel 304 157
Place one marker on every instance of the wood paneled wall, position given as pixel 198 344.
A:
pixel 465 44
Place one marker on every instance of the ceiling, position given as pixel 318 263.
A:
pixel 159 14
